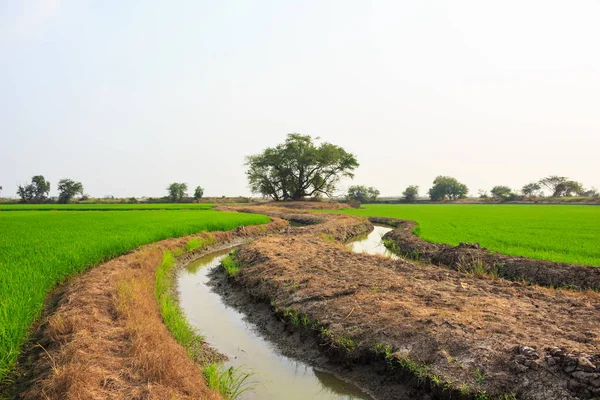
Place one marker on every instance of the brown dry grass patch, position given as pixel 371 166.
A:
pixel 105 338
pixel 454 323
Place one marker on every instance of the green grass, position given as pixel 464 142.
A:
pixel 105 207
pixel 39 249
pixel 173 316
pixel 230 264
pixel 231 382
pixel 564 233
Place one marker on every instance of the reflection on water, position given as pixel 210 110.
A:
pixel 372 244
pixel 275 376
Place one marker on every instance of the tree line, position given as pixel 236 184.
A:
pixel 301 167
pixel 449 188
pixel 177 192
pixel 38 190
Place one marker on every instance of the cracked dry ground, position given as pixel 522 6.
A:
pixel 487 334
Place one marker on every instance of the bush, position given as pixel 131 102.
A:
pixel 411 193
pixel 354 203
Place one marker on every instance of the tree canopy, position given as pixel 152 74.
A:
pixel 562 186
pixel 531 188
pixel 36 192
pixel 177 191
pixel 299 168
pixel 502 192
pixel 198 193
pixel 411 193
pixel 362 193
pixel 68 189
pixel 447 187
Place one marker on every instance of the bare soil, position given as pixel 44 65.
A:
pixel 466 335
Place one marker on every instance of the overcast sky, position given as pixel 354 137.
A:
pixel 128 96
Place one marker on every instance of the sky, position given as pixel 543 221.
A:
pixel 129 96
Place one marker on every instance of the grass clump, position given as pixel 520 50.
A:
pixel 200 243
pixel 229 381
pixel 230 264
pixel 327 237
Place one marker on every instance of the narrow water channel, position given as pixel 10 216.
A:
pixel 275 375
pixel 225 329
pixel 372 243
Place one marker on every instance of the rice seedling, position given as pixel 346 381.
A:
pixel 105 207
pixel 562 233
pixel 39 249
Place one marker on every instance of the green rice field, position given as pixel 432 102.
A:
pixel 105 207
pixel 38 249
pixel 564 233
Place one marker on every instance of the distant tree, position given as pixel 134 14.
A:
pixel 298 168
pixel 568 188
pixel 177 191
pixel 411 193
pixel 531 189
pixel 593 192
pixel 198 193
pixel 552 183
pixel 362 193
pixel 502 192
pixel 482 194
pixel 67 189
pixel 36 192
pixel 447 187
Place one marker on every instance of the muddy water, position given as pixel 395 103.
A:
pixel 275 376
pixel 372 244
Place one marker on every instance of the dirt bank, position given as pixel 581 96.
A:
pixel 307 345
pixel 466 257
pixel 457 334
pixel 102 335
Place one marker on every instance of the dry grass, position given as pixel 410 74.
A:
pixel 454 323
pixel 105 338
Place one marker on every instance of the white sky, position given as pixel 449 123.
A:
pixel 128 96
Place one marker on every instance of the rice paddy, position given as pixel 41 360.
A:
pixel 39 249
pixel 562 233
pixel 104 207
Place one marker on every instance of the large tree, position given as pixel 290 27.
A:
pixel 68 189
pixel 177 191
pixel 531 188
pixel 36 192
pixel 198 193
pixel 502 192
pixel 568 188
pixel 411 193
pixel 447 187
pixel 562 186
pixel 298 168
pixel 552 183
pixel 362 193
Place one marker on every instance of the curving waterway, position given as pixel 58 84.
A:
pixel 275 376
